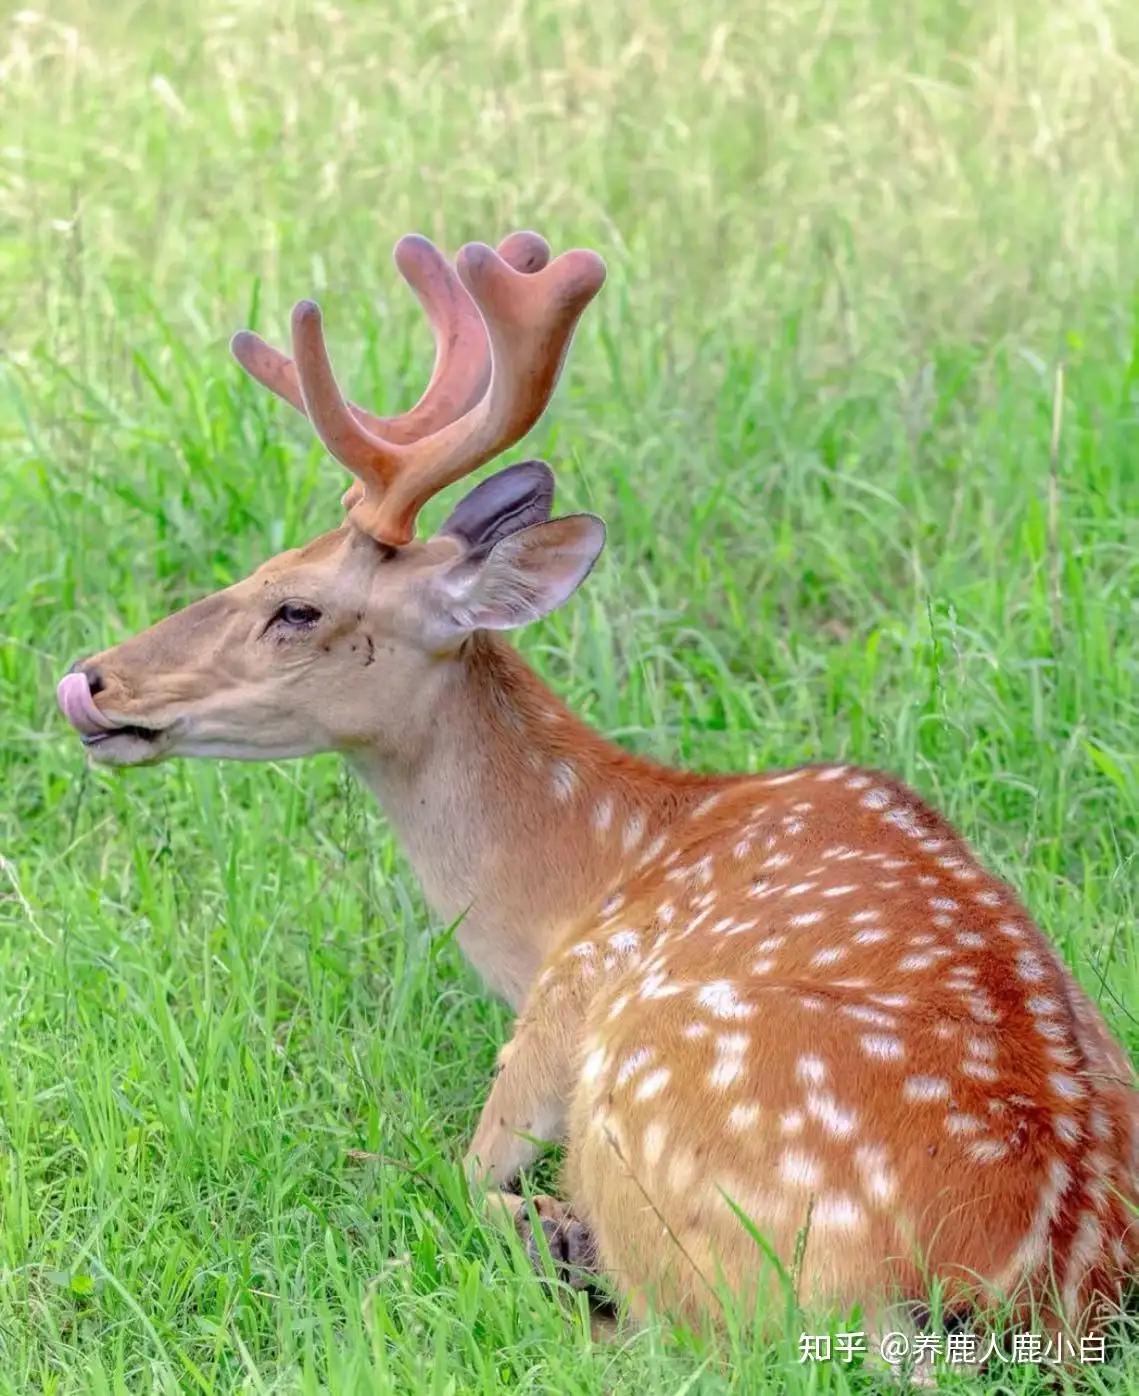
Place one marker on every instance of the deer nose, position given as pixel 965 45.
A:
pixel 94 679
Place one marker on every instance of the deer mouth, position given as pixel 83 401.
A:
pixel 128 729
pixel 94 727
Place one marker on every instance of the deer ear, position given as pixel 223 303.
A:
pixel 507 501
pixel 523 577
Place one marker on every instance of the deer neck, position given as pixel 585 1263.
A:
pixel 516 816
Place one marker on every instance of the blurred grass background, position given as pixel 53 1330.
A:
pixel 859 405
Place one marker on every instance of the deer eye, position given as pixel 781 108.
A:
pixel 295 613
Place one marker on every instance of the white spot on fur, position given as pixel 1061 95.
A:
pixel 653 1141
pixel 729 1065
pixel 799 888
pixel 837 1212
pixel 653 1083
pixel 743 1116
pixel 861 1014
pixel 1065 1129
pixel 654 850
pixel 882 1046
pixel 925 1088
pixel 632 1064
pixel 986 1150
pixel 1033 1248
pixel 1082 1255
pixel 904 820
pixel 811 1068
pixel 784 778
pixel 877 1180
pixel 1029 967
pixel 834 1119
pixel 799 1169
pixel 634 832
pixel 563 777
pixel 722 1001
pixel 958 1123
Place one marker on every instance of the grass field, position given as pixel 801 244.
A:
pixel 859 404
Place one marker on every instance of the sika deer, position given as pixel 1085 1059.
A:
pixel 791 993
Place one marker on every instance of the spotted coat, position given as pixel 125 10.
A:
pixel 806 1002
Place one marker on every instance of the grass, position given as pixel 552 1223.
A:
pixel 859 403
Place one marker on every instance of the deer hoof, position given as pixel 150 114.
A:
pixel 569 1241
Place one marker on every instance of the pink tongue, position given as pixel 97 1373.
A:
pixel 74 697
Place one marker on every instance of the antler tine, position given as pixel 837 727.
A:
pixel 462 363
pixel 530 320
pixel 462 357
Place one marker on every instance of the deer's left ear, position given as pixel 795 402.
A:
pixel 505 502
pixel 523 577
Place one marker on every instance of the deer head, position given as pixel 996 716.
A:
pixel 340 644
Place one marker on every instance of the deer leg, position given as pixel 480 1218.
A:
pixel 527 1107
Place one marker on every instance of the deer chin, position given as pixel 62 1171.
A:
pixel 129 745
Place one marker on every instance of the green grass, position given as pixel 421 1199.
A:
pixel 855 510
